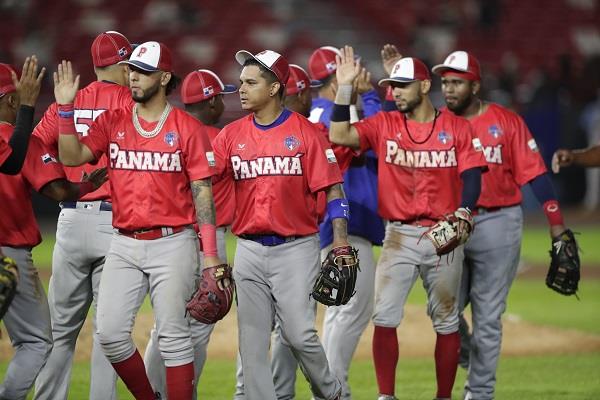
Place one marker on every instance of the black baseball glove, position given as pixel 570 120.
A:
pixel 337 278
pixel 8 283
pixel 563 274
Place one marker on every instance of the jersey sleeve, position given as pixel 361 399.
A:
pixel 368 129
pixel 47 129
pixel 469 152
pixel 41 165
pixel 322 169
pixel 223 166
pixel 5 151
pixel 526 161
pixel 199 155
pixel 98 135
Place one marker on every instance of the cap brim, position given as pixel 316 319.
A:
pixel 228 89
pixel 140 65
pixel 315 83
pixel 388 81
pixel 441 68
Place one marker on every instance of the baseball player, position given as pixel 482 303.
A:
pixel 14 149
pixel 83 231
pixel 278 161
pixel 587 158
pixel 28 318
pixel 425 157
pixel 202 93
pixel 159 168
pixel 492 253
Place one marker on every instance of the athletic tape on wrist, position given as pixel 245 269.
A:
pixel 338 208
pixel 208 236
pixel 340 113
pixel 344 95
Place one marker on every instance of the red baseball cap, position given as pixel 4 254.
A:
pixel 299 81
pixel 6 83
pixel 151 57
pixel 322 63
pixel 109 48
pixel 269 59
pixel 203 84
pixel 461 64
pixel 407 69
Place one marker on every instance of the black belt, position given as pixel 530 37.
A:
pixel 270 239
pixel 86 205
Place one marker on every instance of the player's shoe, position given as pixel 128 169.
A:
pixel 386 397
pixel 157 396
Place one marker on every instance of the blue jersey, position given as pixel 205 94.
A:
pixel 360 181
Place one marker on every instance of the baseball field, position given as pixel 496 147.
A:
pixel 551 346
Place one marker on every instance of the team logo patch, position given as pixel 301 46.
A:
pixel 122 52
pixel 495 131
pixel 210 156
pixel 331 66
pixel 241 146
pixel 532 145
pixel 171 138
pixel 208 90
pixel 291 143
pixel 301 85
pixel 444 137
pixel 120 135
pixel 48 158
pixel 477 144
pixel 330 156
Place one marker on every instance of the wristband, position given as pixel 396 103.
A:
pixel 338 208
pixel 208 236
pixel 344 95
pixel 66 110
pixel 340 113
pixel 85 188
pixel 553 214
pixel 66 124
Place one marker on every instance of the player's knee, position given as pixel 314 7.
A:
pixel 298 338
pixel 176 350
pixel 115 347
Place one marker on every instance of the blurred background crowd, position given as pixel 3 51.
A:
pixel 539 57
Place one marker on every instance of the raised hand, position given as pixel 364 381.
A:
pixel 28 87
pixel 363 81
pixel 97 177
pixel 65 84
pixel 389 57
pixel 347 68
pixel 561 158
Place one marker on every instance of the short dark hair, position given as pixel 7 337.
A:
pixel 268 75
pixel 172 85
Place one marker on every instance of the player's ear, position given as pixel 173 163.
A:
pixel 475 87
pixel 212 101
pixel 166 77
pixel 274 88
pixel 425 86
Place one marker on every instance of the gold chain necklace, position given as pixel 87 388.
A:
pixel 159 125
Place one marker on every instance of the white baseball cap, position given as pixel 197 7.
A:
pixel 152 57
pixel 460 63
pixel 407 69
pixel 269 59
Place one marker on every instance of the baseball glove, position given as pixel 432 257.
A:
pixel 448 233
pixel 213 296
pixel 563 274
pixel 337 278
pixel 8 283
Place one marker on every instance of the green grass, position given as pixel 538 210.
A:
pixel 572 377
pixel 536 244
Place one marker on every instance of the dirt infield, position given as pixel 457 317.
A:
pixel 416 338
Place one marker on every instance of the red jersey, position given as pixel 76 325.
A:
pixel 90 103
pixel 150 177
pixel 223 191
pixel 419 168
pixel 5 149
pixel 511 153
pixel 277 174
pixel 19 226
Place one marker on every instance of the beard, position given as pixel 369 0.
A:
pixel 146 94
pixel 460 105
pixel 410 105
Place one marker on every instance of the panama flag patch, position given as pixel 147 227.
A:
pixel 532 145
pixel 330 156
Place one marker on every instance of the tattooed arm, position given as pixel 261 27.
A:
pixel 205 215
pixel 340 225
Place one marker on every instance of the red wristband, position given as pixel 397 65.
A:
pixel 85 188
pixel 208 236
pixel 66 122
pixel 553 214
